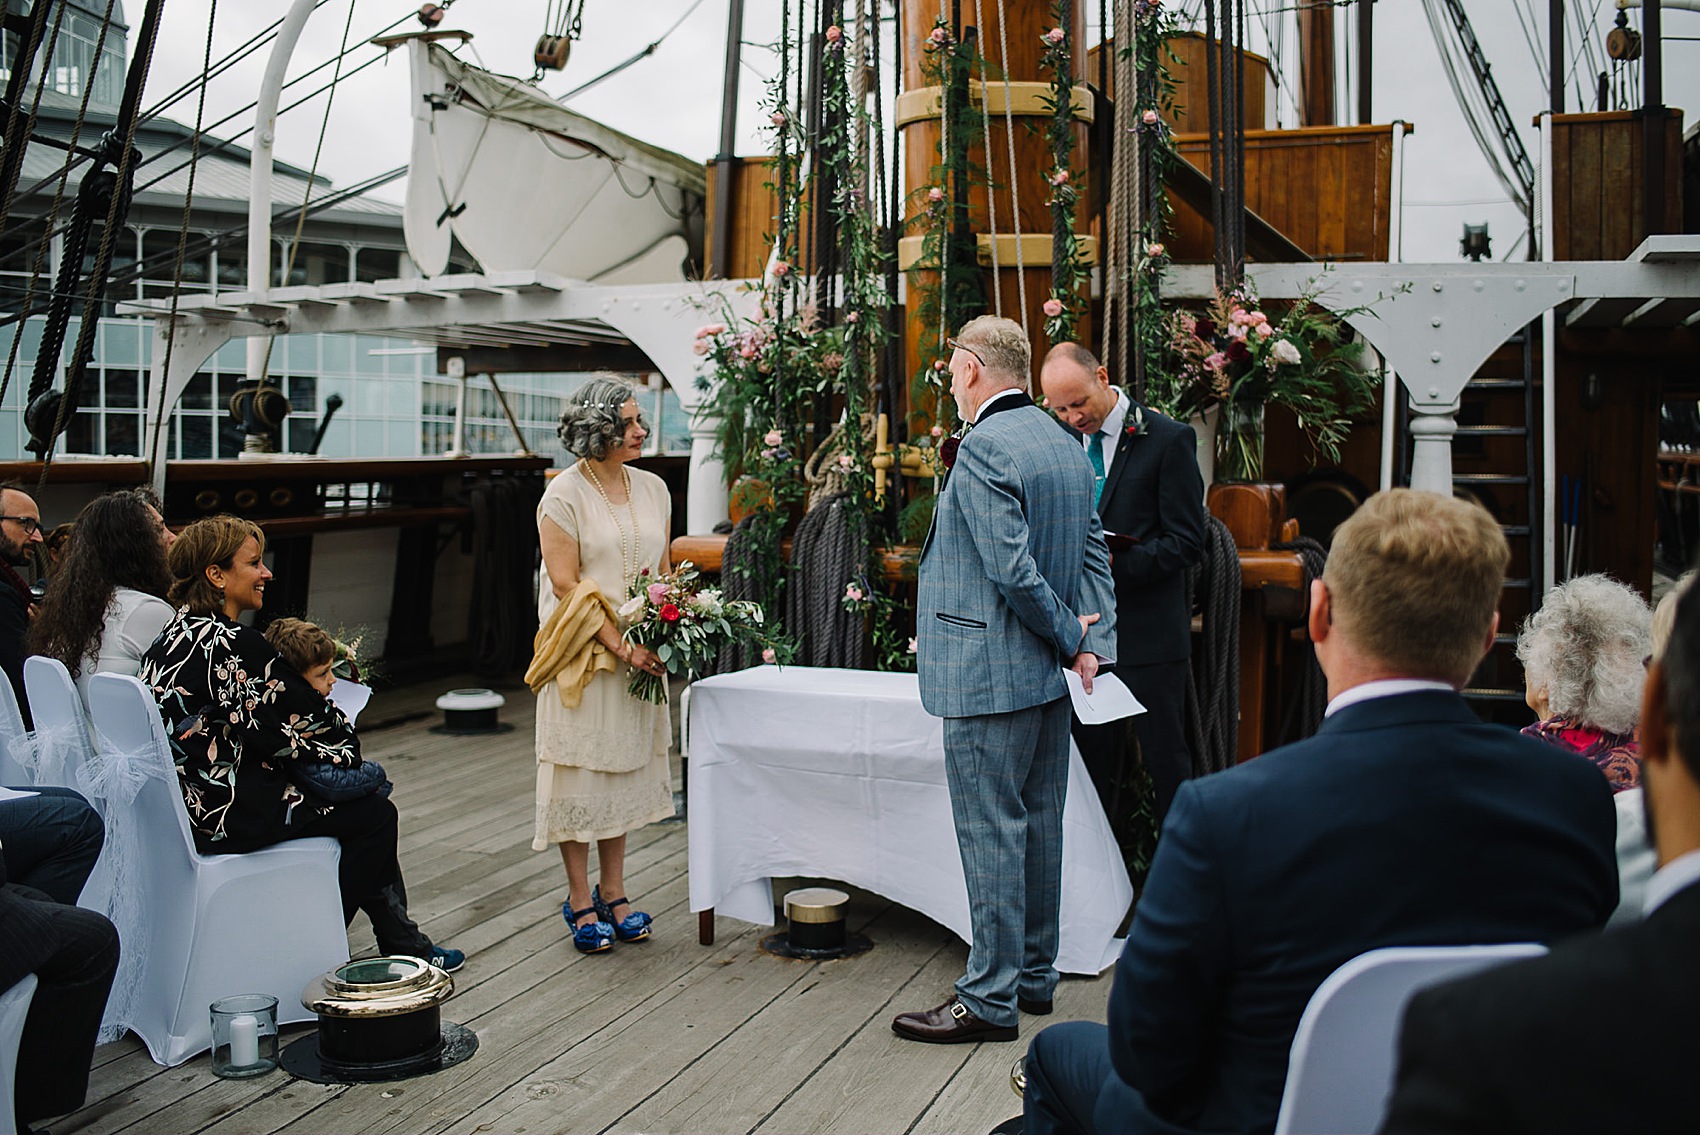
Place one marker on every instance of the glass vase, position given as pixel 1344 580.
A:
pixel 1239 442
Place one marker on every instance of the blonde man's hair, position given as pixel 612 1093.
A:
pixel 212 540
pixel 1664 615
pixel 302 644
pixel 1414 579
pixel 1003 348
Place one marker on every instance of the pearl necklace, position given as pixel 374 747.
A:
pixel 628 553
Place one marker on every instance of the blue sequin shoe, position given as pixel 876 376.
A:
pixel 632 928
pixel 593 937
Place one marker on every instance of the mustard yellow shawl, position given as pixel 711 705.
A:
pixel 566 650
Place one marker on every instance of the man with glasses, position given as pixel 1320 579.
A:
pixel 1014 586
pixel 20 528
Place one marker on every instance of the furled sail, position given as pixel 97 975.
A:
pixel 525 183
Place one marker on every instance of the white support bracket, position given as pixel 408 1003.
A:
pixel 187 344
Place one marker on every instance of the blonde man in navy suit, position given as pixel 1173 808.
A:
pixel 1150 495
pixel 1405 821
pixel 1014 586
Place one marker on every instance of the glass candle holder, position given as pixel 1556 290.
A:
pixel 244 1035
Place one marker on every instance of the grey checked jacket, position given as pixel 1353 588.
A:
pixel 1015 553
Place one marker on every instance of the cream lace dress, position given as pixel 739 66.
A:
pixel 602 768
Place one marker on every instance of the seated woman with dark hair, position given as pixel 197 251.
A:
pixel 1583 658
pixel 237 714
pixel 107 603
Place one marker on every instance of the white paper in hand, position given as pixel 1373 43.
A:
pixel 1110 699
pixel 350 697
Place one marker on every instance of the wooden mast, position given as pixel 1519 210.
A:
pixel 918 117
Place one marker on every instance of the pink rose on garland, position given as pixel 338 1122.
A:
pixel 1053 308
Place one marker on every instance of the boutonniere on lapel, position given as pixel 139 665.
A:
pixel 949 446
pixel 1135 423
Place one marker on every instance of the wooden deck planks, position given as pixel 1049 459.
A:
pixel 661 1036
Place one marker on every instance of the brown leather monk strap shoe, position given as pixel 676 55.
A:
pixel 950 1023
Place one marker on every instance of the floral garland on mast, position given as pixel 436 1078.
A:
pixel 1153 27
pixel 1068 265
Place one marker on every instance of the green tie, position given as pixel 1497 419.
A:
pixel 1095 452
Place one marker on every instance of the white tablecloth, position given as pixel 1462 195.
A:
pixel 839 774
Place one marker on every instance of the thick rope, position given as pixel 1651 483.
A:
pixel 1014 183
pixel 1213 696
pixel 828 553
pixel 1309 699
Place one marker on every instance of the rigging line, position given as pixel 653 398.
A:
pixel 1531 39
pixel 1584 44
pixel 1014 173
pixel 161 411
pixel 645 53
pixel 217 145
pixel 307 193
pixel 201 244
pixel 991 193
pixel 220 145
pixel 41 254
pixel 236 55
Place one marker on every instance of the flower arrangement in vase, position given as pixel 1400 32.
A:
pixel 1237 356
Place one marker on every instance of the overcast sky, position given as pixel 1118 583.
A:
pixel 673 98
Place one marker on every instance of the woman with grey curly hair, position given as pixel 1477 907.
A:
pixel 601 753
pixel 1583 656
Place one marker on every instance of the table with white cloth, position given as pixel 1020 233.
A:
pixel 839 774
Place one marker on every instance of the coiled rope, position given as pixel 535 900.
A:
pixel 1213 695
pixel 829 553
pixel 1309 698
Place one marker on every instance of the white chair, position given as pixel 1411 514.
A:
pixel 61 727
pixel 17 743
pixel 266 921
pixel 14 1007
pixel 1340 1068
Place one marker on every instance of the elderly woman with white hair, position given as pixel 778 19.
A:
pixel 1583 656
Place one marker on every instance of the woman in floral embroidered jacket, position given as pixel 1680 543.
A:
pixel 237 714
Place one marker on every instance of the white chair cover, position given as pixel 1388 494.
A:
pixel 14 1008
pixel 111 779
pixel 266 921
pixel 17 744
pixel 62 739
pixel 1340 1068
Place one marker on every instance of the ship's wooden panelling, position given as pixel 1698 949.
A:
pixel 1326 188
pixel 1192 92
pixel 1598 174
pixel 754 216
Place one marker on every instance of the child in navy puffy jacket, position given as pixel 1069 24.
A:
pixel 310 652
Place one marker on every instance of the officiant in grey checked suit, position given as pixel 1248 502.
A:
pixel 1014 585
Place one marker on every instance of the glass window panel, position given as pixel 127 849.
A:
pixel 320 264
pixel 337 354
pixel 197 435
pixel 80 433
pixel 402 439
pixel 365 362
pixel 303 390
pixel 159 258
pixel 368 439
pixel 123 388
pixel 198 394
pixel 120 343
pixel 123 433
pixel 371 264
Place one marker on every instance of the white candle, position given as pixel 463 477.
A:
pixel 244 1040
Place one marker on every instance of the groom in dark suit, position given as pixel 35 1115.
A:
pixel 1602 1034
pixel 1404 821
pixel 1014 586
pixel 1150 499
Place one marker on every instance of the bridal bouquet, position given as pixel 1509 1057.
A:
pixel 686 625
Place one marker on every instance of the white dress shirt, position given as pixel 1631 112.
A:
pixel 1384 688
pixel 1112 431
pixel 1677 875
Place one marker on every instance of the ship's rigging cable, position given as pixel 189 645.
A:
pixel 307 193
pixel 122 149
pixel 1125 222
pixel 19 134
pixel 1531 36
pixel 992 198
pixel 1518 180
pixel 161 412
pixel 59 312
pixel 1014 173
pixel 645 53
